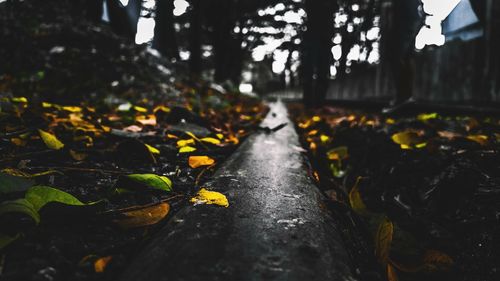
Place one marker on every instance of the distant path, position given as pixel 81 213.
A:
pixel 274 229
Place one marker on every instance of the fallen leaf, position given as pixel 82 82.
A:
pixel 22 206
pixel 78 156
pixel 152 149
pixel 355 199
pixel 101 263
pixel 435 260
pixel 211 140
pixel 14 183
pixel 186 149
pixel 198 161
pixel 448 135
pixel 39 196
pixel 18 141
pixel 51 140
pixel 182 143
pixel 5 239
pixel 391 273
pixel 338 153
pixel 408 140
pixel 19 99
pixel 427 116
pixel 481 139
pixel 324 139
pixel 210 197
pixel 141 181
pixel 144 216
pixel 383 240
pixel 312 133
pixel 140 109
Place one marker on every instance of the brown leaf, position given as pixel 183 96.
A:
pixel 383 240
pixel 391 273
pixel 437 260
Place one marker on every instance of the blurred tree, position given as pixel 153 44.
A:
pixel 165 40
pixel 317 56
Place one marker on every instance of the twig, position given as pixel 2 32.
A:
pixel 198 178
pixel 91 170
pixel 138 207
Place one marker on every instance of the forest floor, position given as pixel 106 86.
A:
pixel 106 151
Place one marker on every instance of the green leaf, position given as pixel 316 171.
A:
pixel 138 181
pixel 5 240
pixel 10 183
pixel 39 196
pixel 20 206
pixel 51 140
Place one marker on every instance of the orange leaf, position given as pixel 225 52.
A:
pixel 198 161
pixel 391 273
pixel 142 217
pixel 101 263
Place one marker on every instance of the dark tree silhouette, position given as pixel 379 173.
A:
pixel 165 40
pixel 316 56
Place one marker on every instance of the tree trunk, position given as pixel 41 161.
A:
pixel 119 20
pixel 165 41
pixel 317 55
pixel 195 40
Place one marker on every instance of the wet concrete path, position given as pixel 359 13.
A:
pixel 274 229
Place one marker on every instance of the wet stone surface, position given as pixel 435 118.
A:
pixel 274 229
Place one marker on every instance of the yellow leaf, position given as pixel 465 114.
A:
pixel 101 263
pixel 427 116
pixel 140 109
pixel 144 216
pixel 220 136
pixel 481 139
pixel 19 99
pixel 152 149
pixel 324 138
pixel 390 121
pixel 391 273
pixel 198 161
pixel 172 136
pixel 161 108
pixel 73 109
pixel 338 153
pixel 211 140
pixel 355 199
pixel 305 125
pixel 408 140
pixel 186 149
pixel 210 197
pixel 316 118
pixel 383 240
pixel 51 140
pixel 182 143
